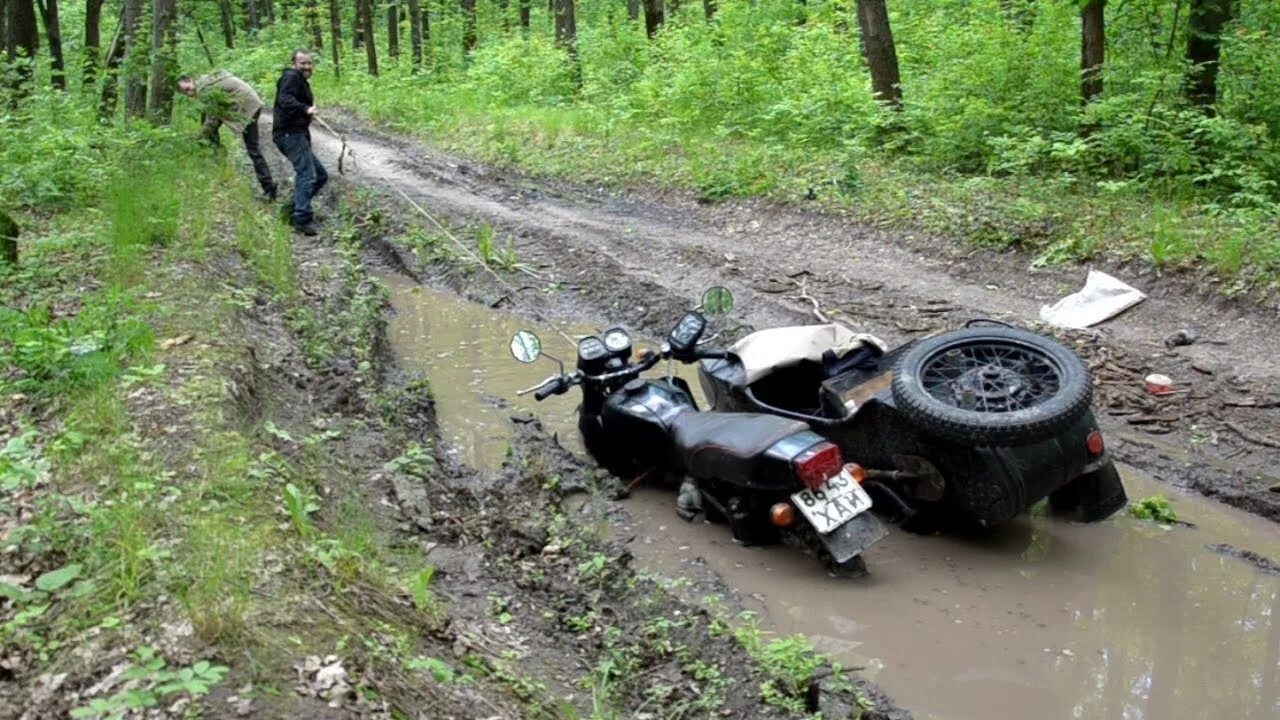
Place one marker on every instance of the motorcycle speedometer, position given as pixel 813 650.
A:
pixel 617 341
pixel 590 348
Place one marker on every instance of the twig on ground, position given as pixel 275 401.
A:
pixel 1252 437
pixel 804 295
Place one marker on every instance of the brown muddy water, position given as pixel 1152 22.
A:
pixel 1047 619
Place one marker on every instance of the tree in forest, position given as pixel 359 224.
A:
pixel 164 61
pixel 335 36
pixel 709 9
pixel 880 53
pixel 253 22
pixel 469 38
pixel 4 26
pixel 524 7
pixel 393 29
pixel 22 40
pixel 135 53
pixel 228 24
pixel 1092 48
pixel 1204 50
pixel 53 33
pixel 654 16
pixel 366 26
pixel 415 32
pixel 111 71
pixel 567 36
pixel 357 26
pixel 92 40
pixel 312 13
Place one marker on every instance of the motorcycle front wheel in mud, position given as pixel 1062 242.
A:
pixel 987 386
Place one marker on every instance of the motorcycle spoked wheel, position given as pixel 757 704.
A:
pixel 990 386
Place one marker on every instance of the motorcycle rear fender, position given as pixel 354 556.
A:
pixel 852 538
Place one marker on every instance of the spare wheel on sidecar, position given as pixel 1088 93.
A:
pixel 991 386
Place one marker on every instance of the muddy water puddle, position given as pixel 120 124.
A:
pixel 1047 619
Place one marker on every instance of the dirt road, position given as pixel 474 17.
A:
pixel 640 257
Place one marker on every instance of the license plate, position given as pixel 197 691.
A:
pixel 834 503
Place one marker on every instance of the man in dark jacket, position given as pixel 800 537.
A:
pixel 291 131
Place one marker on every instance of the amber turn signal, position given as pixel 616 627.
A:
pixel 856 471
pixel 782 514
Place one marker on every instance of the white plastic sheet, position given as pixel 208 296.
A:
pixel 1102 297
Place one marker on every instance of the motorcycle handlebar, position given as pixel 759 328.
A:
pixel 557 384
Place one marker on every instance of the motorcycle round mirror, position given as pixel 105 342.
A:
pixel 717 300
pixel 525 346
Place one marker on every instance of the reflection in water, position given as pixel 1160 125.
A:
pixel 1044 619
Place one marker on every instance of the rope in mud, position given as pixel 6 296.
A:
pixel 511 291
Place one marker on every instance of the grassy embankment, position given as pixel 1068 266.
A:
pixel 197 446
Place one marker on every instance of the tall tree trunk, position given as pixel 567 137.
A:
pixel 633 10
pixel 880 53
pixel 524 8
pixel 415 33
pixel 312 13
pixel 709 9
pixel 4 27
pixel 53 33
pixel 567 37
pixel 1204 50
pixel 469 38
pixel 23 40
pixel 653 16
pixel 135 80
pixel 335 36
pixel 164 61
pixel 1093 39
pixel 252 22
pixel 370 47
pixel 357 26
pixel 393 29
pixel 111 72
pixel 269 11
pixel 504 15
pixel 8 234
pixel 92 40
pixel 228 24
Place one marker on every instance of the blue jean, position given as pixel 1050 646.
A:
pixel 309 175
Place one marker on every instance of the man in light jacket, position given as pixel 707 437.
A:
pixel 230 101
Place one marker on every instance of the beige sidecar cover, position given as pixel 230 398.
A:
pixel 763 351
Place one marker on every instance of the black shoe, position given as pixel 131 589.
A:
pixel 307 228
pixel 267 196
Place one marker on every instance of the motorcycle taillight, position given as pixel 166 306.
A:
pixel 817 464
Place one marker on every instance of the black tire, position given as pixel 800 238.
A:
pixel 1034 386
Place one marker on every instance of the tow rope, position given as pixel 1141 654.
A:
pixel 512 292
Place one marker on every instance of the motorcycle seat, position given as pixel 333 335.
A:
pixel 726 445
